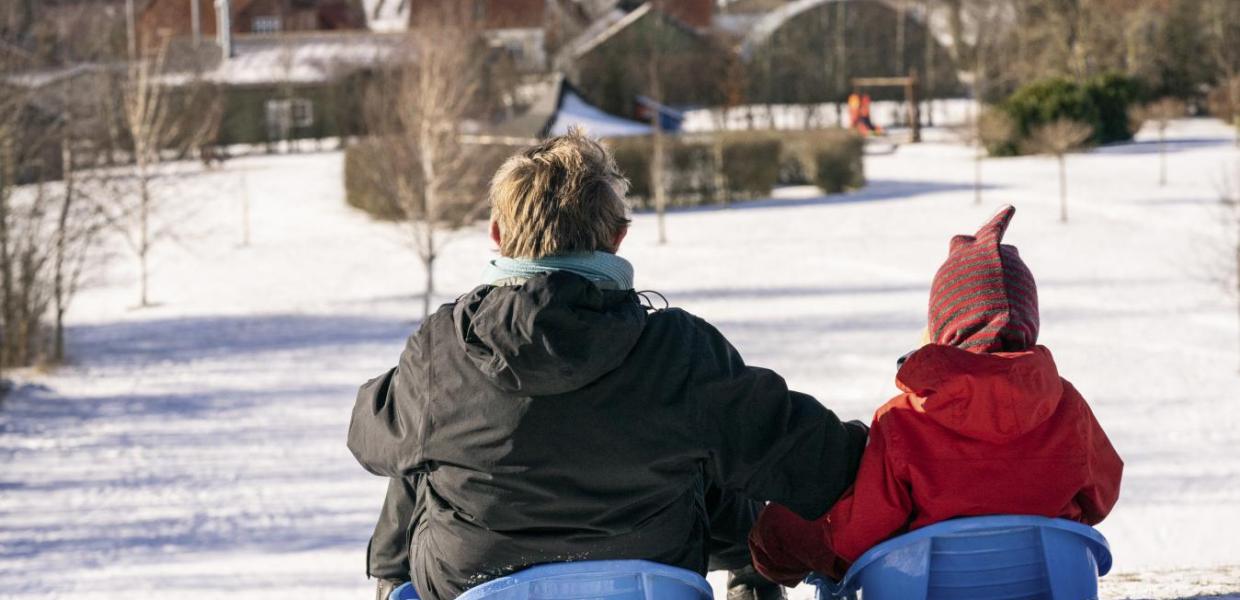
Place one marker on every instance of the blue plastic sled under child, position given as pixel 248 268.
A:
pixel 980 558
pixel 592 579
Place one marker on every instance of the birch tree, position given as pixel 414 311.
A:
pixel 144 109
pixel 158 122
pixel 415 110
pixel 1160 113
pixel 1057 139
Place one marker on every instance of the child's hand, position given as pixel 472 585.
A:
pixel 782 545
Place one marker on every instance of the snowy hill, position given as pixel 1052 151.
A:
pixel 197 448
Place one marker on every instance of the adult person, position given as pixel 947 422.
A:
pixel 549 415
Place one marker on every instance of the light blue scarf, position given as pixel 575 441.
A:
pixel 604 269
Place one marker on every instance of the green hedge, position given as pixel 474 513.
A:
pixel 690 172
pixel 751 167
pixel 838 163
pixel 1102 102
pixel 364 191
pixel 752 164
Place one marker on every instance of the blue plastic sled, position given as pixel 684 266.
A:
pixel 610 579
pixel 980 558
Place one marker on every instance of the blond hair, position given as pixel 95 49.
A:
pixel 561 196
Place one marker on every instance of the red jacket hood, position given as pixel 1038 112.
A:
pixel 991 397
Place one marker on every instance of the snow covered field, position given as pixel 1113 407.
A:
pixel 196 449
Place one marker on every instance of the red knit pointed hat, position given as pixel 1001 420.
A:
pixel 984 298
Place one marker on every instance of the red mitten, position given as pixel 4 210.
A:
pixel 784 546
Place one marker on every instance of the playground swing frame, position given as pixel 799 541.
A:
pixel 912 95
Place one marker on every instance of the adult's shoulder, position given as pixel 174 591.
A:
pixel 437 326
pixel 682 323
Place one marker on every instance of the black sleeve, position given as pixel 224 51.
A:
pixel 385 432
pixel 765 441
pixel 387 557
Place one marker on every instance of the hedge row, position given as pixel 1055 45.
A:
pixel 365 190
pixel 742 165
pixel 1104 103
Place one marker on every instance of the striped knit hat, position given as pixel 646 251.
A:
pixel 983 298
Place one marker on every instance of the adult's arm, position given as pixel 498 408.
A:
pixel 385 433
pixel 786 548
pixel 765 441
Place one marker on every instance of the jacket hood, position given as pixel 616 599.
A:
pixel 553 334
pixel 993 397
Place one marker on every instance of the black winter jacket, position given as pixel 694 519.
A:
pixel 555 421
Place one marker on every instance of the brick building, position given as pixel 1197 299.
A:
pixel 177 18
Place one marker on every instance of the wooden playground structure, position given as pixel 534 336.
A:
pixel 912 96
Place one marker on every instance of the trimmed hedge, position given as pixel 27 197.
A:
pixel 751 168
pixel 361 191
pixel 471 187
pixel 753 163
pixel 838 163
pixel 1103 102
pixel 690 172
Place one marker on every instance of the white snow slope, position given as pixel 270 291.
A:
pixel 196 449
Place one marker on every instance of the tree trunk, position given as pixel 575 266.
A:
pixel 841 47
pixel 1162 155
pixel 430 207
pixel 656 180
pixel 977 175
pixel 429 263
pixel 1063 189
pixel 144 232
pixel 7 173
pixel 901 7
pixel 59 291
pixel 245 213
pixel 656 122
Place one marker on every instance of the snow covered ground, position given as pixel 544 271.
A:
pixel 196 449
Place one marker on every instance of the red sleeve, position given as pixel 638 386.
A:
pixel 786 548
pixel 1106 468
pixel 877 509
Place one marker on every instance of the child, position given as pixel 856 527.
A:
pixel 985 426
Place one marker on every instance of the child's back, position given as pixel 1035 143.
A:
pixel 985 426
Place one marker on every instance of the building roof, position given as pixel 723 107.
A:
pixel 761 29
pixel 604 29
pixel 301 57
pixel 559 107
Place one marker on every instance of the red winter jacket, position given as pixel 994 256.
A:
pixel 973 434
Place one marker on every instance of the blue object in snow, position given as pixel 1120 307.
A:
pixel 980 558
pixel 590 579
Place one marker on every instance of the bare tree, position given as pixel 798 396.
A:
pixel 48 228
pixel 730 85
pixel 987 129
pixel 658 155
pixel 79 222
pixel 159 121
pixel 147 123
pixel 1057 139
pixel 1160 113
pixel 23 255
pixel 78 218
pixel 416 158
